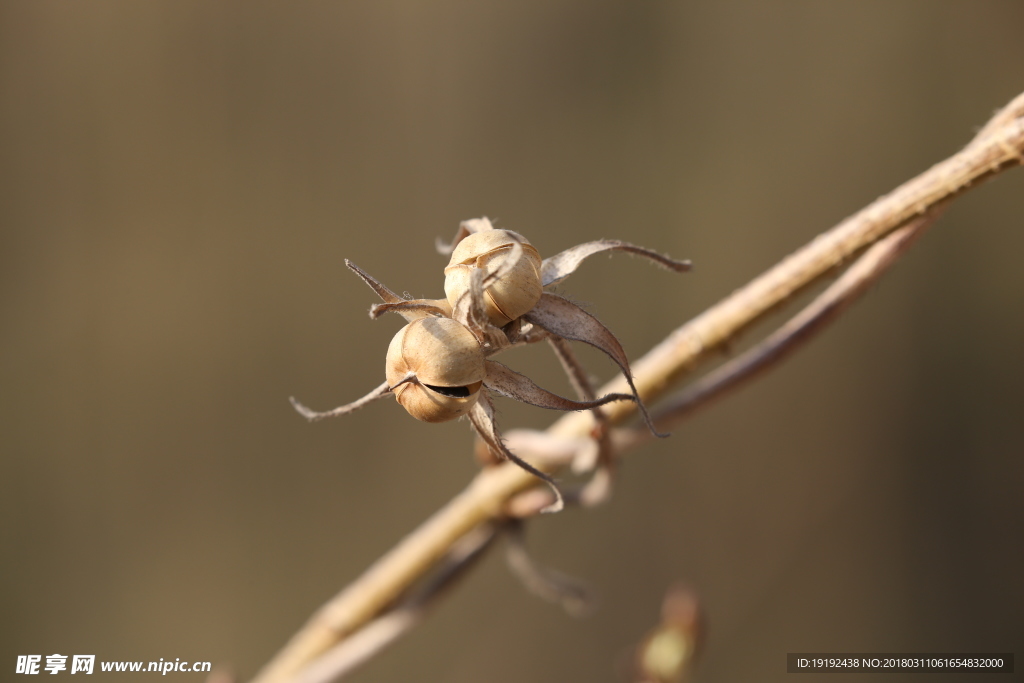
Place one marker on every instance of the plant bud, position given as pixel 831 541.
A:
pixel 508 297
pixel 448 365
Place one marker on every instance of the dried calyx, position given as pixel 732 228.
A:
pixel 479 243
pixel 437 366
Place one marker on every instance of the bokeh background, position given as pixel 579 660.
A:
pixel 181 180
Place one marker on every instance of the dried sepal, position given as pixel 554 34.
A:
pixel 556 450
pixel 312 415
pixel 598 490
pixel 468 309
pixel 413 309
pixel 481 415
pixel 435 367
pixel 383 292
pixel 567 320
pixel 468 305
pixel 507 382
pixel 560 266
pixel 466 228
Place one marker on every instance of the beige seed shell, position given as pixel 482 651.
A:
pixel 479 243
pixel 441 352
pixel 509 297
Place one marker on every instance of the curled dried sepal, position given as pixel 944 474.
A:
pixel 409 309
pixel 567 320
pixel 413 309
pixel 507 382
pixel 560 266
pixel 554 450
pixel 482 417
pixel 466 228
pixel 468 309
pixel 312 415
pixel 598 490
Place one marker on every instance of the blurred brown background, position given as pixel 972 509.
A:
pixel 180 181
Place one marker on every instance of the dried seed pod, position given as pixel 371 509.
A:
pixel 507 297
pixel 435 367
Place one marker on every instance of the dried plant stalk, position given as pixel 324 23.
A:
pixel 999 146
pixel 793 334
pixel 353 652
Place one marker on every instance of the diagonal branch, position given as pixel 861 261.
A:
pixel 793 334
pixel 999 146
pixel 992 151
pixel 385 629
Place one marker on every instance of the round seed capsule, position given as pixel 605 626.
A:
pixel 448 365
pixel 508 297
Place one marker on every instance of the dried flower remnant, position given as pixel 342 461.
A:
pixel 438 371
pixel 437 366
pixel 517 295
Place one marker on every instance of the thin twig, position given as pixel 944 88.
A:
pixel 599 488
pixel 792 335
pixel 572 594
pixel 577 374
pixel 993 150
pixel 349 654
pixel 998 147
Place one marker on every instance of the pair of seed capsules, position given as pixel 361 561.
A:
pixel 438 366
